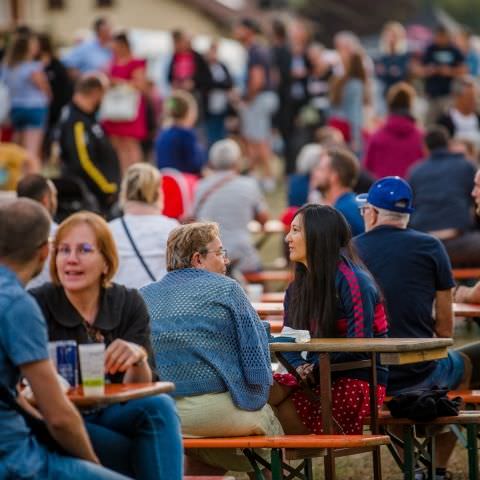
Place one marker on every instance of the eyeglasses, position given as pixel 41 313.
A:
pixel 366 207
pixel 81 250
pixel 221 252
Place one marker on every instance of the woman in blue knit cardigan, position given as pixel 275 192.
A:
pixel 209 341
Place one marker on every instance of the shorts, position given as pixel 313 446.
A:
pixel 215 415
pixel 256 117
pixel 23 117
pixel 448 373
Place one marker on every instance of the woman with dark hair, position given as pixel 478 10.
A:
pixel 332 295
pixel 349 95
pixel 129 73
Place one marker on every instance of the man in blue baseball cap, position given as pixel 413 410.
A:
pixel 414 273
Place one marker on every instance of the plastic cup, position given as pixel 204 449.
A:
pixel 92 368
pixel 254 292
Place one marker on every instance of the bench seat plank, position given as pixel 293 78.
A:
pixel 465 417
pixel 289 441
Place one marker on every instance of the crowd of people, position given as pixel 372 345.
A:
pixel 380 204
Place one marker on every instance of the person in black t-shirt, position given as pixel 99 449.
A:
pixel 60 84
pixel 414 273
pixel 441 62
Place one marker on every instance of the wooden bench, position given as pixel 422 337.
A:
pixel 267 276
pixel 273 297
pixel 470 397
pixel 300 446
pixel 276 325
pixel 415 450
pixel 203 477
pixel 466 273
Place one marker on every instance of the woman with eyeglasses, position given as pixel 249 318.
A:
pixel 332 295
pixel 209 341
pixel 140 438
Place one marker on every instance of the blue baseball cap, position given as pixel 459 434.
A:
pixel 389 193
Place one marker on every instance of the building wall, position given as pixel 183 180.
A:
pixel 78 15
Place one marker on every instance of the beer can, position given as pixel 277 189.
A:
pixel 66 360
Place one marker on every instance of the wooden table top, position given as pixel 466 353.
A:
pixel 386 345
pixel 466 309
pixel 272 305
pixel 265 308
pixel 273 297
pixel 392 351
pixel 270 227
pixel 119 392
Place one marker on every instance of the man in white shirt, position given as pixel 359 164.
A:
pixel 462 120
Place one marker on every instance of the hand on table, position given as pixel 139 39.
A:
pixel 121 355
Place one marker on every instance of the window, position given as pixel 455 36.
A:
pixel 104 3
pixel 56 4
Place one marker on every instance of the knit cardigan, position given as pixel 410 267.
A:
pixel 207 337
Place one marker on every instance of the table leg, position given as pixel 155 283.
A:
pixel 326 393
pixel 326 404
pixel 432 440
pixel 408 453
pixel 308 469
pixel 376 457
pixel 277 470
pixel 472 451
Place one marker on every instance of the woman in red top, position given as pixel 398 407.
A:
pixel 332 295
pixel 127 135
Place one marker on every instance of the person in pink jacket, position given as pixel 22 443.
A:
pixel 398 144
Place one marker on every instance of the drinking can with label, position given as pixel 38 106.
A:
pixel 64 355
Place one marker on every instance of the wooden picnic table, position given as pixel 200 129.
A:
pixel 392 351
pixel 268 309
pixel 272 308
pixel 270 227
pixel 273 297
pixel 466 309
pixel 118 392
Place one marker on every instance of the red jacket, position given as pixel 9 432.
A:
pixel 394 148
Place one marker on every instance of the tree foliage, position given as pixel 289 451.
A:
pixel 464 11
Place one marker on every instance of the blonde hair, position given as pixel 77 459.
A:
pixel 399 29
pixel 185 240
pixel 103 237
pixel 140 184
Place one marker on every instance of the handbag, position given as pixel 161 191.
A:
pixel 424 405
pixel 36 425
pixel 120 104
pixel 136 250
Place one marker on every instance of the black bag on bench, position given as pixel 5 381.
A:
pixel 424 405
